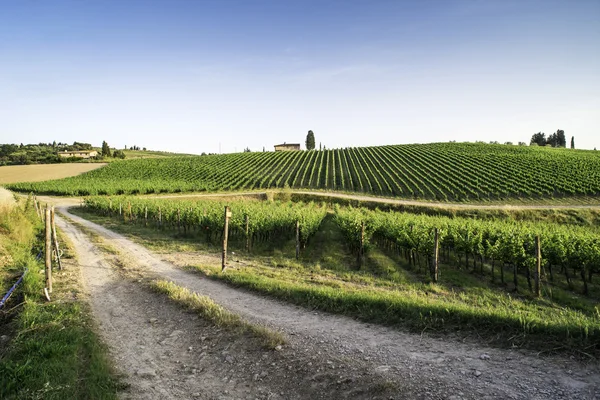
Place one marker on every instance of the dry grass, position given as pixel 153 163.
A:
pixel 43 172
pixel 6 197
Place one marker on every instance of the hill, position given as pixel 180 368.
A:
pixel 437 171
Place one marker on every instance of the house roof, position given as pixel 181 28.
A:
pixel 288 144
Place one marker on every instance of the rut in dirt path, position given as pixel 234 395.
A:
pixel 424 367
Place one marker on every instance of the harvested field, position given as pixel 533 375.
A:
pixel 43 172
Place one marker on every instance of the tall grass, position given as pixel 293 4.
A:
pixel 52 351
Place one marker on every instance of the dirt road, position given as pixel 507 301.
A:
pixel 327 356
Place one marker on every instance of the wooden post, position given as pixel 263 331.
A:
pixel 146 216
pixel 37 210
pixel 178 221
pixel 129 211
pixel 48 248
pixel 247 233
pixel 120 209
pixel 297 240
pixel 225 237
pixel 538 265
pixel 55 238
pixel 436 255
pixel 159 218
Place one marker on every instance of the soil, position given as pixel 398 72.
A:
pixel 166 352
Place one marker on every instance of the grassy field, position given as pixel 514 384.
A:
pixel 49 350
pixel 43 172
pixel 389 290
pixel 443 172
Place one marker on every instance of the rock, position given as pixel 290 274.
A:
pixel 278 347
pixel 190 348
pixel 477 373
pixel 3 338
pixel 484 357
pixel 145 373
pixel 153 320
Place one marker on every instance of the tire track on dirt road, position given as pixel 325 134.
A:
pixel 423 367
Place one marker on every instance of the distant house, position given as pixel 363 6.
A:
pixel 78 153
pixel 287 147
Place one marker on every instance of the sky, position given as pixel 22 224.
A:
pixel 219 76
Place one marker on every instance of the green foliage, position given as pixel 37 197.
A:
pixel 118 154
pixel 310 140
pixel 41 153
pixel 53 352
pixel 267 221
pixel 106 150
pixel 439 171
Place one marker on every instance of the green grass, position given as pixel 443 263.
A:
pixel 388 291
pixel 212 312
pixel 53 351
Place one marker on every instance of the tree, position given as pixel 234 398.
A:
pixel 118 154
pixel 560 138
pixel 310 140
pixel 538 139
pixel 105 150
pixel 572 142
pixel 557 139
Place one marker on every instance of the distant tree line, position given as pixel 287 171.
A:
pixel 47 153
pixel 556 139
pixel 41 153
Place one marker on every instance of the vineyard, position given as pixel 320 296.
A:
pixel 487 265
pixel 485 246
pixel 439 171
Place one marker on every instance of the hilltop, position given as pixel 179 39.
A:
pixel 437 171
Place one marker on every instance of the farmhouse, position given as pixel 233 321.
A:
pixel 78 153
pixel 287 147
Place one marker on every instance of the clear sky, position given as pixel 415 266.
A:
pixel 190 76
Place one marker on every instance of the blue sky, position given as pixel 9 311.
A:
pixel 193 76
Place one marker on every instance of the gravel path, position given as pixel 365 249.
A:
pixel 356 359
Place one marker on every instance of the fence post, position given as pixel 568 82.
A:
pixel 225 237
pixel 538 265
pixel 55 238
pixel 48 249
pixel 37 210
pixel 146 216
pixel 297 239
pixel 436 255
pixel 178 220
